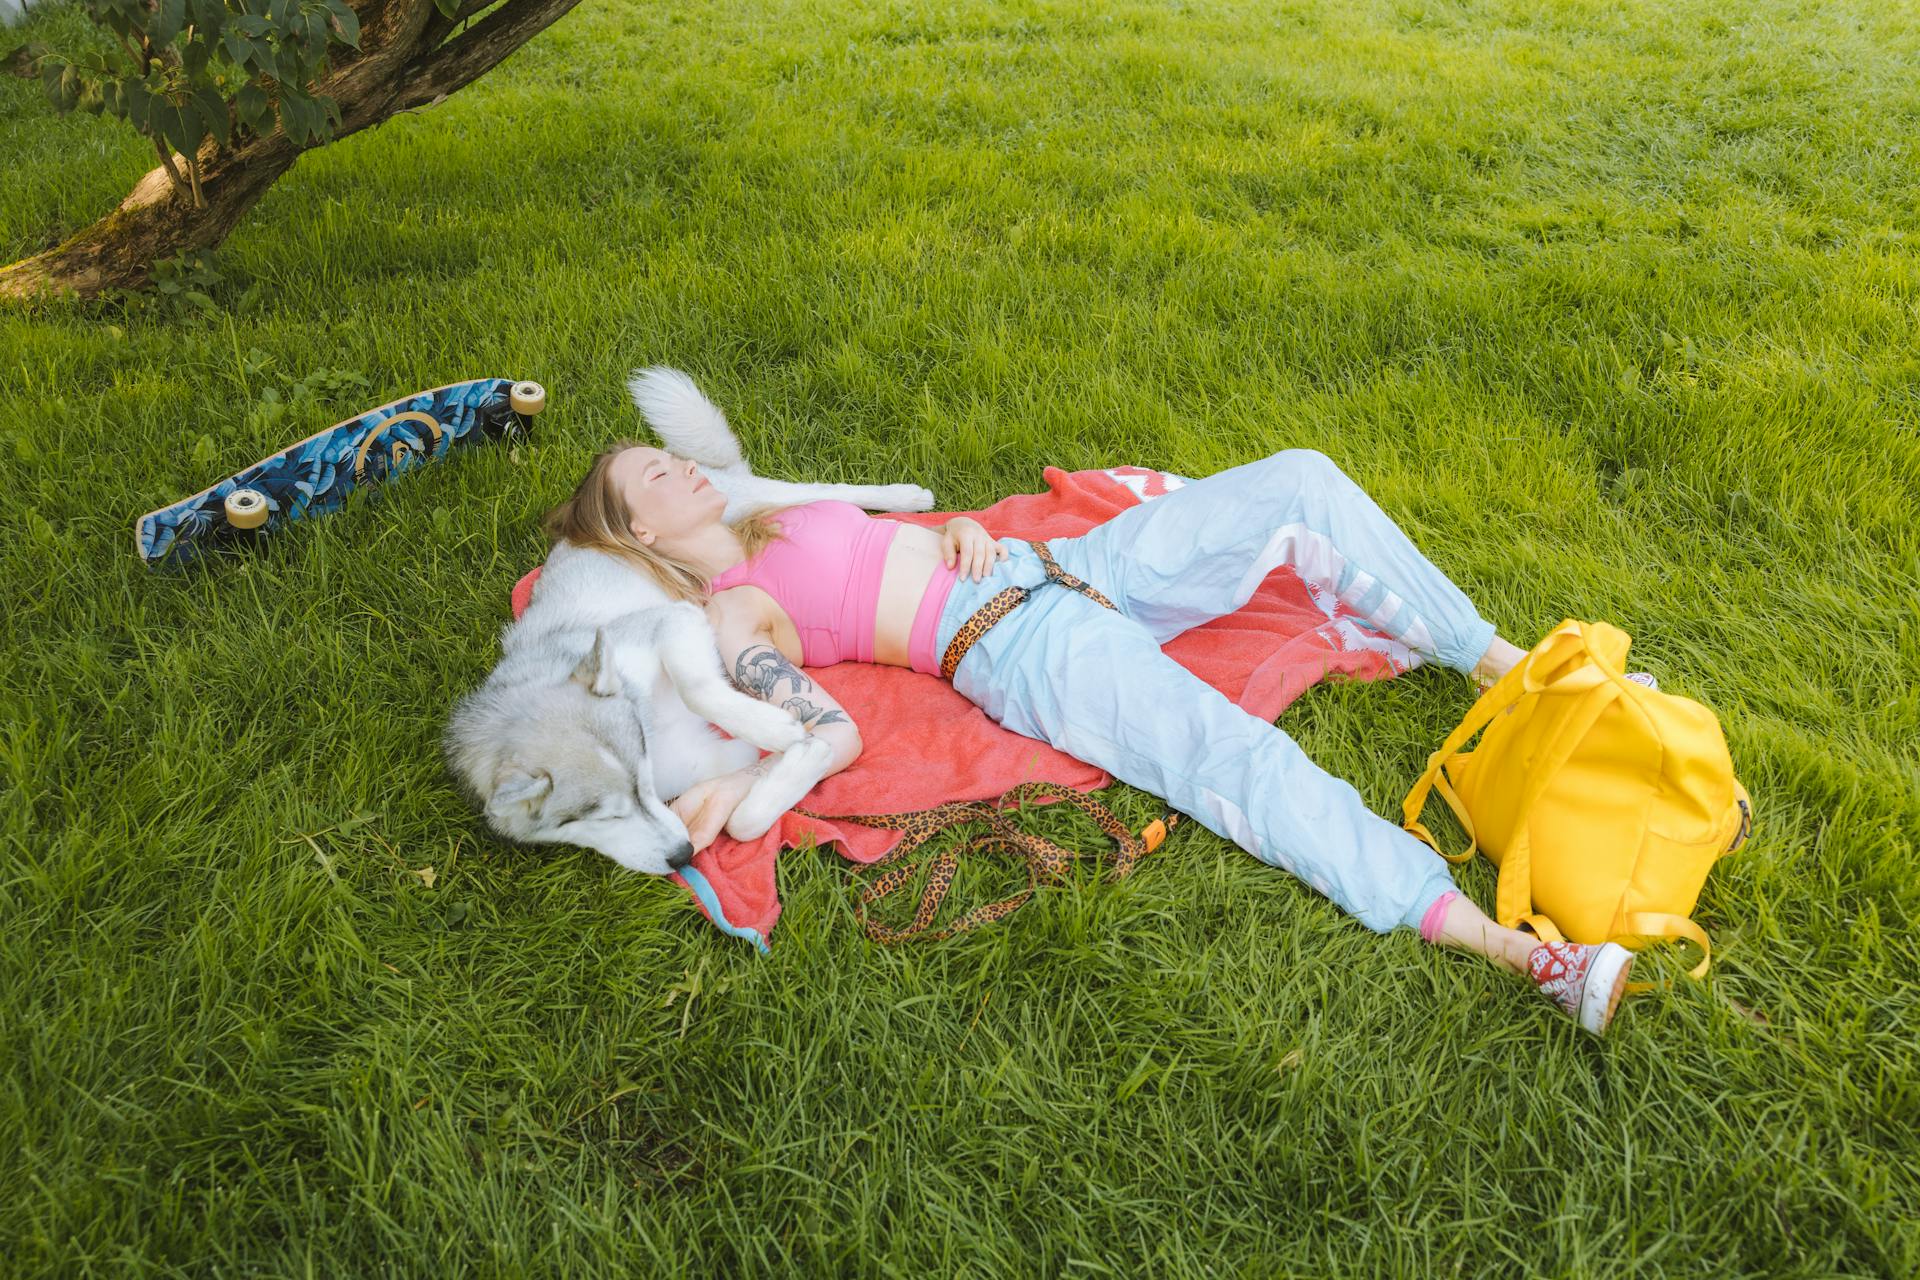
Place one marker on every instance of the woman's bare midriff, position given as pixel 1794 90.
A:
pixel 912 557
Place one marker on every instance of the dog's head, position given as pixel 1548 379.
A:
pixel 567 764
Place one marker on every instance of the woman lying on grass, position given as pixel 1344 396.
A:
pixel 1077 663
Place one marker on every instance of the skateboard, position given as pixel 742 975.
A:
pixel 315 476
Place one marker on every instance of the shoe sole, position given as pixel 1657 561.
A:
pixel 1606 983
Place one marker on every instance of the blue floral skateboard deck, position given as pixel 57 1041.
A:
pixel 315 476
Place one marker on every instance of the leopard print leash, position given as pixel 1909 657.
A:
pixel 1046 861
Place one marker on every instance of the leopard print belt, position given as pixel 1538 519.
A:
pixel 1005 603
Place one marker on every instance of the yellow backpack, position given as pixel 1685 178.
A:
pixel 1603 802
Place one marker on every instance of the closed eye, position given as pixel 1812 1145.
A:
pixel 606 812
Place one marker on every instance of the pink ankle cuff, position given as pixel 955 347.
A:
pixel 1430 922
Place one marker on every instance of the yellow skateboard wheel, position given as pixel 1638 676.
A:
pixel 246 508
pixel 527 398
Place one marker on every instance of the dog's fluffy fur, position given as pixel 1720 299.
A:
pixel 602 707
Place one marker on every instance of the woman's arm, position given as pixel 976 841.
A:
pixel 748 801
pixel 755 666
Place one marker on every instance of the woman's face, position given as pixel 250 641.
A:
pixel 665 496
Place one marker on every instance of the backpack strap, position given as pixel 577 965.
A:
pixel 1504 693
pixel 1513 901
pixel 1662 924
pixel 1444 785
pixel 1528 676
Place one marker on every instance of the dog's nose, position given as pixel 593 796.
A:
pixel 680 857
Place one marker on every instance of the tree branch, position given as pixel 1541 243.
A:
pixel 396 68
pixel 438 28
pixel 166 158
pixel 387 28
pixel 460 61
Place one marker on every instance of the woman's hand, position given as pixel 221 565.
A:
pixel 966 542
pixel 705 806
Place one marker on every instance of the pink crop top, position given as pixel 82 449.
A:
pixel 824 570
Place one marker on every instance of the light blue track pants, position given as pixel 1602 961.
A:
pixel 1094 683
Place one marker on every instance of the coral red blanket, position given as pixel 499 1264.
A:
pixel 925 744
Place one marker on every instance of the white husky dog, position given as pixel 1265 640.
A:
pixel 599 712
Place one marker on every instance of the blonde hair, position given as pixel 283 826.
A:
pixel 596 516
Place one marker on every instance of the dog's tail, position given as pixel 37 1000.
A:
pixel 690 424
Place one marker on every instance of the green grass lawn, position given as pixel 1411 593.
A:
pixel 1616 311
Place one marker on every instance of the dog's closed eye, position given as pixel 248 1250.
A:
pixel 599 809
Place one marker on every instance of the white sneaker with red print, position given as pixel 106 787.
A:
pixel 1585 981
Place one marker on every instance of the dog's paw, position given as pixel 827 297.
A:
pixel 766 726
pixel 905 497
pixel 752 819
pixel 783 787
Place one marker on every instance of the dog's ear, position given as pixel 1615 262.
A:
pixel 517 787
pixel 597 671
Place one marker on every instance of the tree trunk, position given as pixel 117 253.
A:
pixel 402 65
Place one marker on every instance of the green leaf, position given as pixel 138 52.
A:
pixel 139 104
pixel 161 119
pixel 447 8
pixel 267 59
pixel 179 127
pixel 345 23
pixel 317 130
pixel 209 16
pixel 316 122
pixel 52 70
pixel 213 110
pixel 70 85
pixel 293 115
pixel 35 53
pixel 193 130
pixel 254 108
pixel 238 47
pixel 167 21
pixel 308 35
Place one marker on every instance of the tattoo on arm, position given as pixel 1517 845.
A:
pixel 763 669
pixel 805 712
